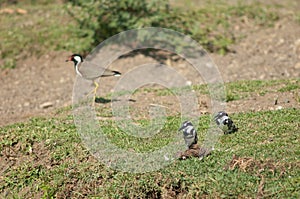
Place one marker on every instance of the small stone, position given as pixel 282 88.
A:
pixel 21 11
pixel 297 66
pixel 279 107
pixel 281 41
pixel 7 11
pixel 46 105
pixel 188 83
pixel 168 62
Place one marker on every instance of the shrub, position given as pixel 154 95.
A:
pixel 210 26
pixel 101 19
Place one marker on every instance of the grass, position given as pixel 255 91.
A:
pixel 42 29
pixel 243 89
pixel 46 158
pixel 237 90
pixel 215 21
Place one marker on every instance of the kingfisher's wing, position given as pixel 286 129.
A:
pixel 225 123
pixel 190 136
pixel 231 127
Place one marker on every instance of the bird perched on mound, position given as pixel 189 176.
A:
pixel 225 123
pixel 189 133
pixel 190 137
pixel 78 60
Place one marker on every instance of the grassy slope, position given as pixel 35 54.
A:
pixel 45 157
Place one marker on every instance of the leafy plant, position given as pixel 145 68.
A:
pixel 99 20
pixel 9 63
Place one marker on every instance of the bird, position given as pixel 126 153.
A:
pixel 78 60
pixel 189 133
pixel 224 122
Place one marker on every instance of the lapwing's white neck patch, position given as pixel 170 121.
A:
pixel 77 58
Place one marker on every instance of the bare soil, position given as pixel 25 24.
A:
pixel 38 86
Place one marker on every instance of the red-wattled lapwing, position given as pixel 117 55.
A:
pixel 77 59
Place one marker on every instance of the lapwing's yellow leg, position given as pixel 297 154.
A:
pixel 94 91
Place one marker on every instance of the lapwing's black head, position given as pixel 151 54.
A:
pixel 76 58
pixel 185 125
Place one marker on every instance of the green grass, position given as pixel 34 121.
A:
pixel 245 88
pixel 44 28
pixel 215 21
pixel 46 158
pixel 237 90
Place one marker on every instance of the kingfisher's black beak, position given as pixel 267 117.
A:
pixel 181 128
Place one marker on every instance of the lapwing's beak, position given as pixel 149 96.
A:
pixel 69 59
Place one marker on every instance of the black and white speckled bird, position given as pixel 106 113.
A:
pixel 189 133
pixel 225 123
pixel 77 60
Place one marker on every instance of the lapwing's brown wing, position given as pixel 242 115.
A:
pixel 92 71
pixel 108 73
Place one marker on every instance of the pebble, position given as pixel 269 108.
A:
pixel 168 62
pixel 26 104
pixel 46 105
pixel 297 66
pixel 279 107
pixel 188 83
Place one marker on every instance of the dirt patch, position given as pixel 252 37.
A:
pixel 269 101
pixel 259 168
pixel 247 164
pixel 143 105
pixel 38 86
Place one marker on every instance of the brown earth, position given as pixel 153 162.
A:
pixel 38 86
